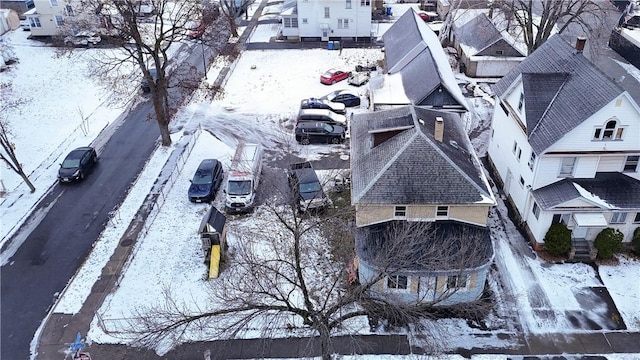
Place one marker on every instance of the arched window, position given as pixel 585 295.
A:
pixel 611 131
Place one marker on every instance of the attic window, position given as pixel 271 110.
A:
pixel 400 211
pixel 499 52
pixel 521 102
pixel 611 131
pixel 442 211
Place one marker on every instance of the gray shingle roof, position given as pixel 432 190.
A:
pixel 414 50
pixel 567 103
pixel 412 167
pixel 441 247
pixel 478 33
pixel 616 189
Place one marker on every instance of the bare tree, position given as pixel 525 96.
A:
pixel 537 20
pixel 232 10
pixel 8 153
pixel 291 271
pixel 143 38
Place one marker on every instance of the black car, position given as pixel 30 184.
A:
pixel 77 164
pixel 206 181
pixel 318 132
pixel 313 103
pixel 345 97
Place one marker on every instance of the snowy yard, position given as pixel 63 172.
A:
pixel 258 104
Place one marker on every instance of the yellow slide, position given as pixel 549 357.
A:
pixel 214 263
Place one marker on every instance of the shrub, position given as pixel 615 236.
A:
pixel 608 242
pixel 558 239
pixel 635 242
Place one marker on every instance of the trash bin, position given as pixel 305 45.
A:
pixel 336 45
pixel 388 8
pixel 330 45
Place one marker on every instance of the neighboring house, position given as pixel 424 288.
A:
pixel 324 20
pixel 484 50
pixel 411 164
pixel 625 38
pixel 565 143
pixel 418 70
pixel 47 18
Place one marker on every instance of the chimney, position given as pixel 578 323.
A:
pixel 438 132
pixel 580 41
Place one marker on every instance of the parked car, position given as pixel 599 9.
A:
pixel 195 29
pixel 322 115
pixel 313 103
pixel 206 181
pixel 83 38
pixel 332 76
pixel 428 16
pixel 365 68
pixel 346 97
pixel 359 79
pixel 319 132
pixel 144 83
pixel 77 164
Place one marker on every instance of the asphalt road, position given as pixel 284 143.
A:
pixel 75 216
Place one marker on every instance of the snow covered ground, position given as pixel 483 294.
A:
pixel 257 105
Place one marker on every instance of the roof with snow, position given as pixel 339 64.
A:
pixel 479 35
pixel 395 159
pixel 561 90
pixel 608 190
pixel 413 50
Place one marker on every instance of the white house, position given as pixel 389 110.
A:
pixel 565 143
pixel 326 20
pixel 47 18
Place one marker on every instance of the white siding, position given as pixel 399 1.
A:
pixel 611 164
pixel 359 18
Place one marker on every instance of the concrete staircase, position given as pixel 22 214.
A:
pixel 582 250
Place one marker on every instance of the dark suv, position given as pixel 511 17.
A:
pixel 206 181
pixel 319 132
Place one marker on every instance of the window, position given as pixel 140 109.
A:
pixel 560 218
pixel 611 131
pixel 499 52
pixel 53 2
pixel 566 168
pixel 521 102
pixel 365 2
pixel 618 218
pixel 456 282
pixel 400 211
pixel 290 22
pixel 59 20
pixel 631 164
pixel 348 4
pixel 637 218
pixel 521 181
pixel 519 154
pixel 305 21
pixel 536 210
pixel 343 23
pixel 515 147
pixel 326 12
pixel 442 211
pixel 69 10
pixel 34 22
pixel 397 282
pixel 532 160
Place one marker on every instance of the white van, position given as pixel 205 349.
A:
pixel 243 179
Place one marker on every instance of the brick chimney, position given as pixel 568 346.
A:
pixel 580 41
pixel 438 132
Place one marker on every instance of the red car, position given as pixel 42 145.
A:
pixel 333 76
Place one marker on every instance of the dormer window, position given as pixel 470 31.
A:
pixel 400 211
pixel 521 102
pixel 611 131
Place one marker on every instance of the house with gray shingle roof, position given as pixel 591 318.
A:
pixel 565 144
pixel 415 173
pixel 484 50
pixel 417 69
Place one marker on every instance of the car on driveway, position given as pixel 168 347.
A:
pixel 77 164
pixel 428 16
pixel 332 76
pixel 346 97
pixel 206 181
pixel 308 132
pixel 195 29
pixel 313 103
pixel 83 38
pixel 359 79
pixel 144 83
pixel 322 115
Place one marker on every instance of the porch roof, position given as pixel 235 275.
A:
pixel 590 219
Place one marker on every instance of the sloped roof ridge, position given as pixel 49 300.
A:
pixel 454 164
pixel 386 167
